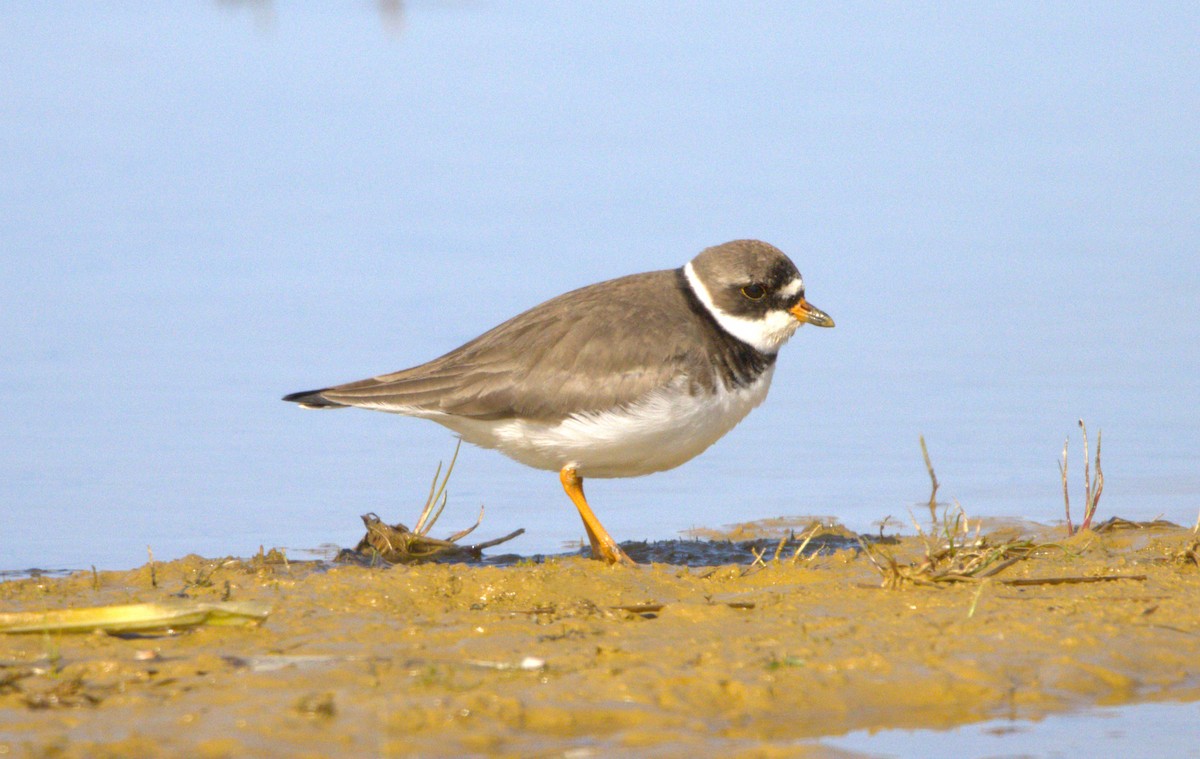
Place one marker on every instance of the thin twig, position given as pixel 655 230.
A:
pixel 758 558
pixel 975 599
pixel 1062 468
pixel 1070 580
pixel 478 547
pixel 1087 481
pixel 933 479
pixel 464 533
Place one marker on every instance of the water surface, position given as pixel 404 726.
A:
pixel 1140 731
pixel 208 205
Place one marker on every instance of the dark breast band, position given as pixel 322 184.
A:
pixel 735 362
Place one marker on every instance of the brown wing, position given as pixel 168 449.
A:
pixel 591 349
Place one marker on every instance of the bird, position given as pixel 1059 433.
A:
pixel 621 378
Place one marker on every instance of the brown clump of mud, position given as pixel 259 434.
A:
pixel 761 657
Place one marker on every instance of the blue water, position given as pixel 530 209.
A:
pixel 1140 731
pixel 204 206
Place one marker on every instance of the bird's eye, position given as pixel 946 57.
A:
pixel 754 292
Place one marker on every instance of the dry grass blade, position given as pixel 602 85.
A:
pixel 782 542
pixel 808 536
pixel 437 495
pixel 758 558
pixel 1092 486
pixel 649 607
pixel 1113 524
pixel 131 618
pixel 1062 470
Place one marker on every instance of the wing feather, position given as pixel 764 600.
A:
pixel 588 350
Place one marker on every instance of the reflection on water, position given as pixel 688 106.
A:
pixel 20 574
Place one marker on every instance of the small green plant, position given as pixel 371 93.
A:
pixel 786 662
pixel 1092 486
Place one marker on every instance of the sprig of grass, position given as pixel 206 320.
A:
pixel 1092 486
pixel 954 550
pixel 396 544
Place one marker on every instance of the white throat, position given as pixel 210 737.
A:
pixel 767 334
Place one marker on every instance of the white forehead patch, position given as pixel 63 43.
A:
pixel 791 288
pixel 766 334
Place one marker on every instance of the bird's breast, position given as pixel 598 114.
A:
pixel 661 431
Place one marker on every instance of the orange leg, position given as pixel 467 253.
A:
pixel 603 545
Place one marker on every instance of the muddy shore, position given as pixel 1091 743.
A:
pixel 566 656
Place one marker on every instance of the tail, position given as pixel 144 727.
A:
pixel 313 399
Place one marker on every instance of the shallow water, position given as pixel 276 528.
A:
pixel 209 205
pixel 1134 732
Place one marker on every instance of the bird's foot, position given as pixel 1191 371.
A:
pixel 611 553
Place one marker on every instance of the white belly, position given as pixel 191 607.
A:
pixel 661 431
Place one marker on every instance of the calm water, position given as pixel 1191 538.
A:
pixel 1141 731
pixel 207 205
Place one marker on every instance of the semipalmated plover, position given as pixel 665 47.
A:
pixel 617 379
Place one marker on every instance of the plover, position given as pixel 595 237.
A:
pixel 618 379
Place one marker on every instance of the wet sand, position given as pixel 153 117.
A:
pixel 571 657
